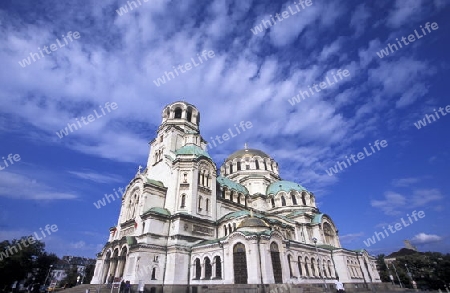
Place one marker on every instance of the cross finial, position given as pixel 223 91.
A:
pixel 139 169
pixel 245 146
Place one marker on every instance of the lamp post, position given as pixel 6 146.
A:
pixel 395 269
pixel 48 274
pixel 318 258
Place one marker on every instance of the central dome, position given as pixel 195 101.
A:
pixel 251 152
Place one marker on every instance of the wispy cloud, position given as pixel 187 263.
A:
pixel 405 182
pixel 351 237
pixel 18 186
pixel 96 177
pixel 393 202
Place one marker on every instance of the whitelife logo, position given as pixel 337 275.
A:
pixel 53 48
pixel 360 155
pixel 423 122
pixel 284 14
pixel 397 226
pixel 10 250
pixel 323 85
pixel 90 118
pixel 186 67
pixel 411 38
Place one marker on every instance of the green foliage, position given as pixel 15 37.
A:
pixel 71 276
pixel 20 257
pixel 430 270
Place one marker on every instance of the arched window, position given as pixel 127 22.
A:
pixel 283 201
pixel 234 226
pixel 313 267
pixel 303 199
pixel 239 264
pixel 200 201
pixel 231 168
pixel 207 205
pixel 307 267
pixel 198 269
pixel 329 269
pixel 183 201
pixel 272 200
pixel 294 200
pixel 225 229
pixel 218 264
pixel 239 198
pixel 154 274
pixel 231 195
pixel 329 233
pixel 299 264
pixel 257 164
pixel 265 165
pixel 229 228
pixel 178 112
pixel 224 190
pixel 276 263
pixel 189 114
pixel 290 266
pixel 208 268
pixel 239 165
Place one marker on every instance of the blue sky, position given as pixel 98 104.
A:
pixel 251 77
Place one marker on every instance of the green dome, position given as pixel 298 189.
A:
pixel 192 150
pixel 224 181
pixel 251 152
pixel 284 185
pixel 253 222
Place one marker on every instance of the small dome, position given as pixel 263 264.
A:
pixel 251 152
pixel 284 185
pixel 253 222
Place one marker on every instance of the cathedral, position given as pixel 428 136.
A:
pixel 185 222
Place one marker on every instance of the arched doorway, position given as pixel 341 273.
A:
pixel 276 263
pixel 239 264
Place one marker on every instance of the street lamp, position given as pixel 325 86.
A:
pixel 318 258
pixel 400 282
pixel 48 274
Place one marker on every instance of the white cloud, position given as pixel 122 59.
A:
pixel 393 202
pixel 423 238
pixel 19 186
pixel 96 177
pixel 404 11
pixel 405 182
pixel 349 238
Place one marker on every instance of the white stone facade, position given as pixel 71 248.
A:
pixel 181 223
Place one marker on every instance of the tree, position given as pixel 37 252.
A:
pixel 71 276
pixel 20 258
pixel 382 268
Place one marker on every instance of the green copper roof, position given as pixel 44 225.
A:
pixel 155 182
pixel 192 150
pixel 231 184
pixel 238 214
pixel 159 210
pixel 284 185
pixel 317 219
pixel 251 152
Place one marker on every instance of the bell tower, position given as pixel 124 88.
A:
pixel 179 127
